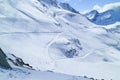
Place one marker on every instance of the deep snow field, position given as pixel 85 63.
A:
pixel 60 44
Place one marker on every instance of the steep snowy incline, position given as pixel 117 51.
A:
pixel 43 34
pixel 24 12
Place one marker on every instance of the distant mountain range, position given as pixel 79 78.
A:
pixel 108 17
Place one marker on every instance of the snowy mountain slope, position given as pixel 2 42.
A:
pixel 61 5
pixel 96 70
pixel 24 74
pixel 110 16
pixel 43 34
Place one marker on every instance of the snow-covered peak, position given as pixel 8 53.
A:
pixel 66 6
pixel 110 16
pixel 57 4
pixel 50 2
pixel 92 14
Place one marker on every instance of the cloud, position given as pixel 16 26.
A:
pixel 107 7
pixel 96 7
pixel 111 6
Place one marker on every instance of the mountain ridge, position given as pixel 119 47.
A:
pixel 108 17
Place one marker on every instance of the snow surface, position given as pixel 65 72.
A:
pixel 24 74
pixel 51 38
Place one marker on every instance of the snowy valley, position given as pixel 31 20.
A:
pixel 48 40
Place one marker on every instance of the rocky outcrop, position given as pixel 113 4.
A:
pixel 16 61
pixel 3 60
pixel 19 62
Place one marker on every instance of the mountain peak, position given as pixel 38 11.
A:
pixel 107 17
pixel 90 15
pixel 66 6
pixel 57 4
pixel 50 2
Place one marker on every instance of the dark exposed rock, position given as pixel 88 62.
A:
pixel 19 62
pixel 70 53
pixel 3 60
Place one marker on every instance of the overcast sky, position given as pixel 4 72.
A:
pixel 84 5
